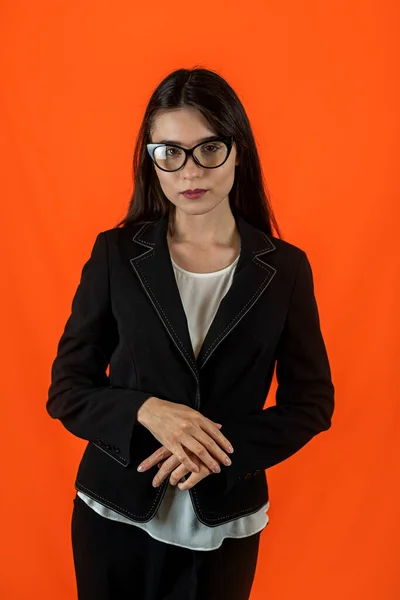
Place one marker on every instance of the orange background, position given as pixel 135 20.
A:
pixel 320 83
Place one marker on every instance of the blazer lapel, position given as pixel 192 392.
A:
pixel 251 278
pixel 153 267
pixel 150 259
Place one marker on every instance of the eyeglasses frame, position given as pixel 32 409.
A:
pixel 189 152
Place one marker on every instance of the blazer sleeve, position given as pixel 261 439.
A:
pixel 80 394
pixel 305 393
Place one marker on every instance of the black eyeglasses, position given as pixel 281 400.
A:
pixel 209 154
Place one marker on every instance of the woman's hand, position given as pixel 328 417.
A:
pixel 168 463
pixel 180 428
pixel 178 470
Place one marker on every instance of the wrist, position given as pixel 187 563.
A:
pixel 143 412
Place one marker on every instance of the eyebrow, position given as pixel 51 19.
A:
pixel 210 138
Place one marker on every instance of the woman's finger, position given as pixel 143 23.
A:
pixel 166 468
pixel 193 479
pixel 154 458
pixel 181 451
pixel 177 474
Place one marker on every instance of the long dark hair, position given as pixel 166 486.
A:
pixel 208 92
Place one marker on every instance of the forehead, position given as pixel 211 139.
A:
pixel 186 127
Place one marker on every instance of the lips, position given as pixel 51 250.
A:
pixel 194 195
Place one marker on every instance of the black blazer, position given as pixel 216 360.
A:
pixel 127 339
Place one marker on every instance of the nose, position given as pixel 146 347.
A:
pixel 191 167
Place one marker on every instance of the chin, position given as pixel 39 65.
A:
pixel 196 207
pixel 195 210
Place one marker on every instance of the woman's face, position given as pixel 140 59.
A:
pixel 188 127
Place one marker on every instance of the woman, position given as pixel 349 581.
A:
pixel 190 302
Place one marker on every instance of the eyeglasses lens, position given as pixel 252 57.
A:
pixel 210 154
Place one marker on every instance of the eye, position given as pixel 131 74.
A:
pixel 211 148
pixel 170 151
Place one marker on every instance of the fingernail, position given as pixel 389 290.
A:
pixel 155 483
pixel 228 461
pixel 140 467
pixel 230 449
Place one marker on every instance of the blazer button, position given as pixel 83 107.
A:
pixel 116 449
pixel 106 445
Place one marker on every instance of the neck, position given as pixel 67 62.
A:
pixel 215 228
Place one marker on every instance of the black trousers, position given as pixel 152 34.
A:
pixel 117 561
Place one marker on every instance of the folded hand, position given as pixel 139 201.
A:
pixel 168 463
